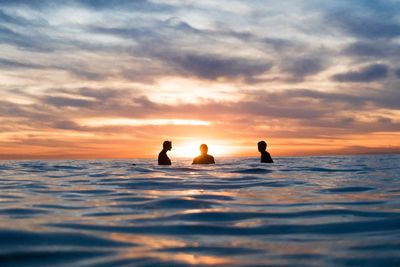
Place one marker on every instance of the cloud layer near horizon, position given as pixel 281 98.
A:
pixel 310 76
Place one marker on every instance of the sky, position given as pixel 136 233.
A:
pixel 115 78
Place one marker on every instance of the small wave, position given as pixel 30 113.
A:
pixel 349 189
pixel 16 238
pixel 49 257
pixel 22 212
pixel 214 250
pixel 183 215
pixel 239 216
pixel 60 207
pixel 253 171
pixel 67 167
pixel 142 170
pixel 315 169
pixel 172 169
pixel 95 175
pixel 212 197
pixel 178 203
pixel 132 199
pixel 369 226
pixel 377 247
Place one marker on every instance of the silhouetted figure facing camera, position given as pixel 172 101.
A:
pixel 265 156
pixel 162 157
pixel 204 158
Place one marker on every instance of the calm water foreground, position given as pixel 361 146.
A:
pixel 314 211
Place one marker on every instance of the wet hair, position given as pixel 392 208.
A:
pixel 262 145
pixel 167 144
pixel 204 147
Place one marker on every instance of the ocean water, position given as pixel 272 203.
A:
pixel 303 211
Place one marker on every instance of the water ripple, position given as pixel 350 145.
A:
pixel 238 212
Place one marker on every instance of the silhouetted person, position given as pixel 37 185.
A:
pixel 265 156
pixel 162 157
pixel 204 158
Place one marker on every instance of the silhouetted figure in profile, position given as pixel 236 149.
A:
pixel 265 156
pixel 162 157
pixel 204 158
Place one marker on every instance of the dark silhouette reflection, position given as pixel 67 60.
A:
pixel 162 157
pixel 204 158
pixel 265 156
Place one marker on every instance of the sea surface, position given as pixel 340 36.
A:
pixel 300 211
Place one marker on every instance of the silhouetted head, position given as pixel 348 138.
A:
pixel 167 145
pixel 262 146
pixel 203 149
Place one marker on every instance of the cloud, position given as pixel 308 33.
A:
pixel 212 67
pixel 163 45
pixel 136 6
pixel 67 102
pixel 55 106
pixel 300 68
pixel 363 19
pixel 77 71
pixel 373 49
pixel 11 64
pixel 6 18
pixel 39 43
pixel 69 125
pixel 370 73
pixel 365 28
pixel 67 61
pixel 398 73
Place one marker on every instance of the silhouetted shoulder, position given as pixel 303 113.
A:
pixel 266 157
pixel 212 160
pixel 163 158
pixel 195 160
pixel 204 159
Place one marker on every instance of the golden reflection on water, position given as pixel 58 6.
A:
pixel 148 247
pixel 113 207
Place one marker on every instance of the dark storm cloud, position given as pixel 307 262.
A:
pixel 370 73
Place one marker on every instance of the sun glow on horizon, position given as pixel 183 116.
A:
pixel 192 149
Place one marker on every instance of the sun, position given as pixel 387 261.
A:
pixel 191 149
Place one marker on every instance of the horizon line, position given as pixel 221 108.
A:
pixel 180 158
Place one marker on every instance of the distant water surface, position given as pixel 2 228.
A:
pixel 310 211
